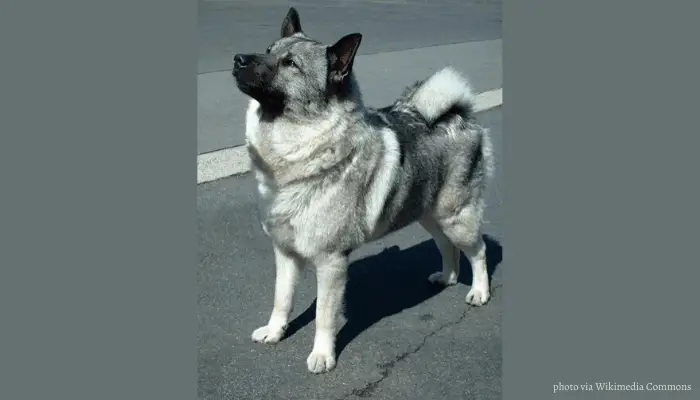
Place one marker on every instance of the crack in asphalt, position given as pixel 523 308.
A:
pixel 369 389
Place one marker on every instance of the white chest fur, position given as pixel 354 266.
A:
pixel 254 139
pixel 252 124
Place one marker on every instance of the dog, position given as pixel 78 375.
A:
pixel 333 174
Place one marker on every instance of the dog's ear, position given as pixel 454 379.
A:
pixel 342 55
pixel 291 23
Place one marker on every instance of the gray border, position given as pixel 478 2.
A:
pixel 94 197
pixel 99 104
pixel 601 161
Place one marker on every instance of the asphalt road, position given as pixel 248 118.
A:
pixel 403 339
pixel 238 26
pixel 403 41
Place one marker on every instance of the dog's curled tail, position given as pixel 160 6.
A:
pixel 445 92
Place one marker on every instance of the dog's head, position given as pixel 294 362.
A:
pixel 297 73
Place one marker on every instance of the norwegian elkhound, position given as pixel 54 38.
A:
pixel 333 174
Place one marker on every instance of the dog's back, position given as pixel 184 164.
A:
pixel 445 157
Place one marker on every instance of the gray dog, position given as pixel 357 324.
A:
pixel 334 174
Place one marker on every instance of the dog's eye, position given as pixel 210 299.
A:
pixel 269 49
pixel 288 62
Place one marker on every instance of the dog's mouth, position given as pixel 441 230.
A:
pixel 245 77
pixel 246 80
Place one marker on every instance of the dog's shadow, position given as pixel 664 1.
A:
pixel 389 282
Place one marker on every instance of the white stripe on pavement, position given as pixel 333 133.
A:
pixel 234 160
pixel 488 100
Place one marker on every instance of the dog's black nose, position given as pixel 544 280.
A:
pixel 240 60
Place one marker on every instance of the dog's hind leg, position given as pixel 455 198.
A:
pixel 448 251
pixel 479 293
pixel 464 230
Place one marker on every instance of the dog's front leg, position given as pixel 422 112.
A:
pixel 288 271
pixel 331 275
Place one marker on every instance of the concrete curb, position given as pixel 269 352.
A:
pixel 234 160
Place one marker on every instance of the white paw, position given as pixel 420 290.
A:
pixel 478 296
pixel 267 334
pixel 320 362
pixel 439 278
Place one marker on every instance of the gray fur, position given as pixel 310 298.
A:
pixel 334 174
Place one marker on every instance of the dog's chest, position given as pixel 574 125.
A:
pixel 259 141
pixel 266 195
pixel 252 124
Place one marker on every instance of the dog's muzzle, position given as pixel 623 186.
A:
pixel 251 72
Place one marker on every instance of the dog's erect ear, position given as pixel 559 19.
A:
pixel 342 55
pixel 291 23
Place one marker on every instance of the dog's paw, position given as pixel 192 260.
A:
pixel 267 334
pixel 478 296
pixel 439 278
pixel 320 362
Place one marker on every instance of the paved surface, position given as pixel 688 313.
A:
pixel 403 339
pixel 227 27
pixel 402 41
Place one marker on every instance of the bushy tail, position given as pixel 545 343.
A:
pixel 445 92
